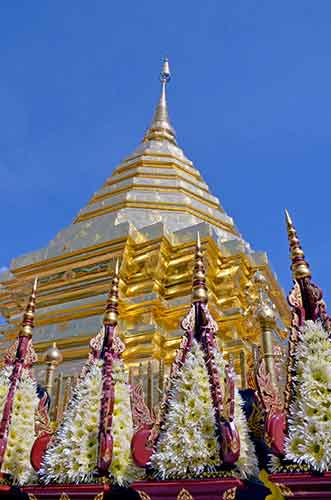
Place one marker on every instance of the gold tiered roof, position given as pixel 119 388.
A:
pixel 148 212
pixel 157 183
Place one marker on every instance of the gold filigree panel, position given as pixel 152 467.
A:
pixel 229 494
pixel 64 496
pixel 99 496
pixel 144 495
pixel 184 495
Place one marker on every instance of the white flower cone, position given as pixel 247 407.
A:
pixel 187 445
pixel 122 470
pixel 22 426
pixel 309 437
pixel 72 457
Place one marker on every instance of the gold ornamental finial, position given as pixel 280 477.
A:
pixel 53 355
pixel 165 74
pixel 199 288
pixel 111 313
pixel 300 268
pixel 161 128
pixel 28 317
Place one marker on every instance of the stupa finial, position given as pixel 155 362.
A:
pixel 199 287
pixel 160 128
pixel 111 313
pixel 300 268
pixel 28 317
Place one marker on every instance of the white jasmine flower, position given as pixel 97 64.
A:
pixel 309 437
pixel 72 457
pixel 22 426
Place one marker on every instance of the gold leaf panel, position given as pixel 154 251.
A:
pixel 184 495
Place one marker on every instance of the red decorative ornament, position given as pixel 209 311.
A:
pixel 141 447
pixel 38 450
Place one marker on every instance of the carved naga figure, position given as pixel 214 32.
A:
pixel 272 406
pixel 198 325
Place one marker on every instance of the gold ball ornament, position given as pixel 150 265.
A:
pixel 53 355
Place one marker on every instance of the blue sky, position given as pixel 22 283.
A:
pixel 249 98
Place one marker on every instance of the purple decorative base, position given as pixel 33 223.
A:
pixel 304 485
pixel 206 489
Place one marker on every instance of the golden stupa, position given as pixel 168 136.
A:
pixel 148 213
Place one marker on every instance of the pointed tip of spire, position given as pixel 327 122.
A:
pixel 299 266
pixel 160 128
pixel 198 241
pixel 288 218
pixel 165 74
pixel 35 284
pixel 111 313
pixel 28 317
pixel 199 287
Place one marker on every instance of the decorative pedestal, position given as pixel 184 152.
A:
pixel 206 489
pixel 304 485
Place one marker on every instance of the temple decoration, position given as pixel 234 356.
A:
pixel 52 358
pixel 202 427
pixel 307 399
pixel 161 128
pixel 309 425
pixel 19 401
pixel 149 212
pixel 94 438
pixel 267 318
pixel 306 302
pixel 265 375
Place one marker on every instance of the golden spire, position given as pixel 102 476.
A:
pixel 300 268
pixel 199 288
pixel 111 313
pixel 160 128
pixel 28 317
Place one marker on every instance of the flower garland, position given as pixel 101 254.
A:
pixel 187 445
pixel 72 457
pixel 21 431
pixel 73 453
pixel 122 469
pixel 309 438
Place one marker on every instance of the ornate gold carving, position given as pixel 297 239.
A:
pixel 184 495
pixel 300 268
pixel 69 275
pixel 32 496
pixel 256 420
pixel 173 270
pixel 99 496
pixel 284 490
pixel 64 496
pixel 30 358
pixel 42 421
pixel 229 494
pixel 143 495
pixel 140 412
